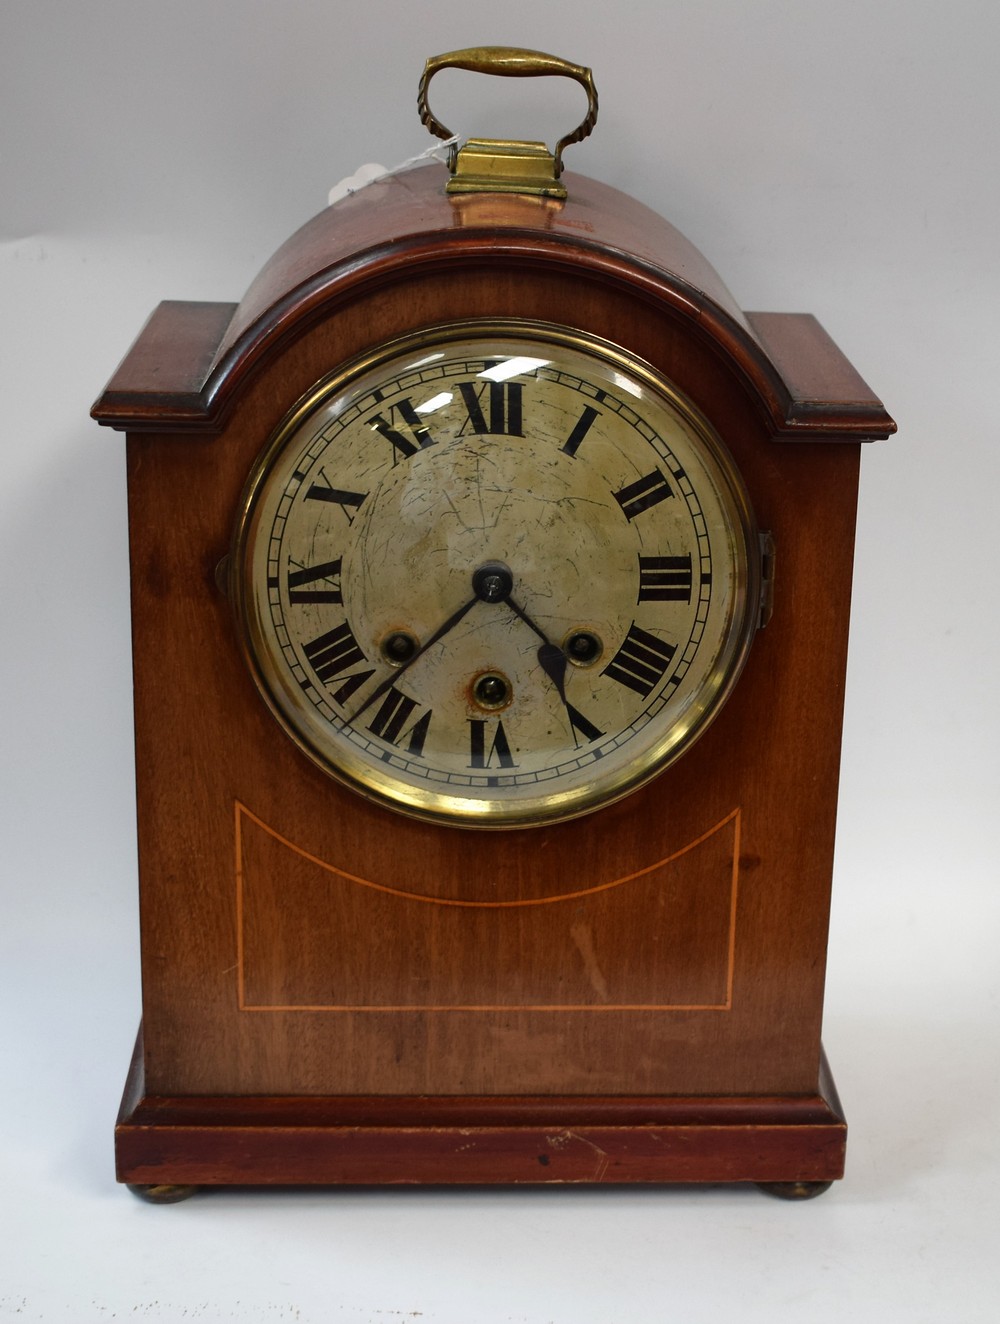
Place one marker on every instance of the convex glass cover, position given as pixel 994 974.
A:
pixel 495 574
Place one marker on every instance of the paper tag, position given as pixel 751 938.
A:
pixel 368 173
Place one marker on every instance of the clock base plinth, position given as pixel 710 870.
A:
pixel 792 1145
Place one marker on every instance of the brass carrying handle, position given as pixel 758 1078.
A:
pixel 511 62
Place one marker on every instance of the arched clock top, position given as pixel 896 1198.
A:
pixel 192 360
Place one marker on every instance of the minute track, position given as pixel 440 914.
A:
pixel 607 543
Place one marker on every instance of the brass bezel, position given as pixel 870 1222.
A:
pixel 371 782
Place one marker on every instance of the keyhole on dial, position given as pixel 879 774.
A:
pixel 398 647
pixel 492 690
pixel 583 647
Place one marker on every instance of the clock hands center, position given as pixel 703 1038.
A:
pixel 491 582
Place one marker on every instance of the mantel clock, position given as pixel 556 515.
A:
pixel 490 590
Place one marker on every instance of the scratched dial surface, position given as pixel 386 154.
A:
pixel 495 577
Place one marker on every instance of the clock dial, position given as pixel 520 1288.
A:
pixel 496 575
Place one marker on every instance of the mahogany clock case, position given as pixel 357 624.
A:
pixel 333 992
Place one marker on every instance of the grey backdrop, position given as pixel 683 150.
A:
pixel 833 157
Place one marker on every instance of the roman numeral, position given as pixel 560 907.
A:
pixel 333 653
pixel 502 400
pixel 643 493
pixel 665 578
pixel 583 425
pixel 641 662
pixel 580 723
pixel 499 749
pixel 348 500
pixel 392 716
pixel 419 435
pixel 313 574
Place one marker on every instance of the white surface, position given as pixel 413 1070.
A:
pixel 832 156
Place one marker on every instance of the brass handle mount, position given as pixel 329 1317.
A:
pixel 510 62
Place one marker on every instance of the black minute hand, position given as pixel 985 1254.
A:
pixel 491 582
pixel 389 681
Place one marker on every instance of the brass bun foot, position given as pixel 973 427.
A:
pixel 162 1194
pixel 794 1190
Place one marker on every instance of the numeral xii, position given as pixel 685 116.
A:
pixel 501 401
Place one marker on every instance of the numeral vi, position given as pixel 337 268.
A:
pixel 499 750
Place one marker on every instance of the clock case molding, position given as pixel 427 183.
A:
pixel 230 1086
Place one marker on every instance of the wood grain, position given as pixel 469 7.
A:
pixel 472 1141
pixel 281 999
pixel 406 224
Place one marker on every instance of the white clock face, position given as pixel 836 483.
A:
pixel 496 575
